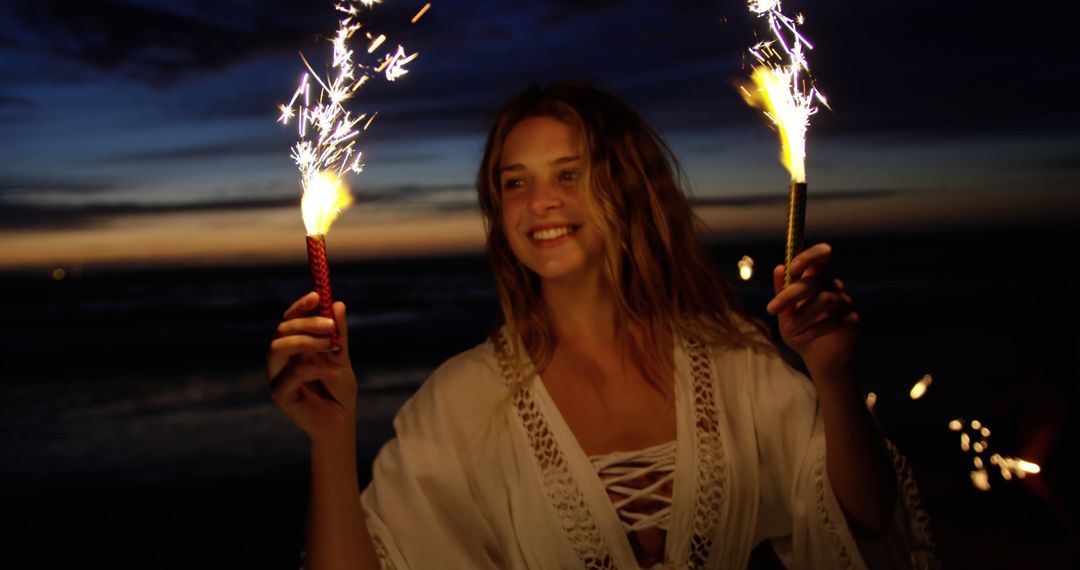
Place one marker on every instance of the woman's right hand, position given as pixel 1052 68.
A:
pixel 314 387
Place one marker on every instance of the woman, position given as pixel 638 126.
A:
pixel 628 414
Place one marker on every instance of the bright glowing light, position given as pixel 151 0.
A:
pixel 746 268
pixel 762 6
pixel 395 64
pixel 1027 466
pixel 871 400
pixel 920 387
pixel 325 196
pixel 976 424
pixel 965 441
pixel 956 425
pixel 772 96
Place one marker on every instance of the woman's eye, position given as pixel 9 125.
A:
pixel 569 175
pixel 511 183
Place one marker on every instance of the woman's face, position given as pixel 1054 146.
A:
pixel 543 211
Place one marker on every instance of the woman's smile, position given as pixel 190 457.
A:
pixel 551 236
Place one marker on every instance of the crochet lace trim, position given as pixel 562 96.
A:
pixel 711 468
pixel 916 522
pixel 831 526
pixel 380 550
pixel 559 483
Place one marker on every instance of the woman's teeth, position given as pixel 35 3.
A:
pixel 552 233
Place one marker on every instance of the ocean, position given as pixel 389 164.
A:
pixel 137 432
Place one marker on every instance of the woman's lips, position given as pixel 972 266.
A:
pixel 551 236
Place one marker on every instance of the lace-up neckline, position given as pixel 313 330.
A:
pixel 639 484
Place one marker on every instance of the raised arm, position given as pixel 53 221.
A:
pixel 818 321
pixel 317 391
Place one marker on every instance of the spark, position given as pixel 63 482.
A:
pixel 787 98
pixel 395 64
pixel 980 479
pixel 368 123
pixel 871 400
pixel 376 43
pixel 421 13
pixel 919 389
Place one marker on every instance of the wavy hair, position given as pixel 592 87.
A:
pixel 659 274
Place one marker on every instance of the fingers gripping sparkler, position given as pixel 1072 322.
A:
pixel 787 98
pixel 328 133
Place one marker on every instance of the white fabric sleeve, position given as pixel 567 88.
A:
pixel 419 507
pixel 800 513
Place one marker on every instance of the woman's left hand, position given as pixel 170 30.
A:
pixel 817 317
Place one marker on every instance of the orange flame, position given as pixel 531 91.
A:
pixel 772 94
pixel 325 196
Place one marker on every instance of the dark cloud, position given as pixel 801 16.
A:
pixel 202 152
pixel 414 191
pixel 1061 162
pixel 156 42
pixel 15 186
pixel 13 102
pixel 15 216
pixel 817 196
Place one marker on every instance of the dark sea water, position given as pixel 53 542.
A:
pixel 136 430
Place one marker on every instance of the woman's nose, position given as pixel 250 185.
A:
pixel 543 197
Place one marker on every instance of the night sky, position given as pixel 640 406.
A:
pixel 144 130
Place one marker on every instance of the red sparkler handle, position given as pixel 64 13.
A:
pixel 320 275
pixel 795 226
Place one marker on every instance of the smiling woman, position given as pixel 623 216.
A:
pixel 628 414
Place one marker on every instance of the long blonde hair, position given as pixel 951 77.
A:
pixel 659 274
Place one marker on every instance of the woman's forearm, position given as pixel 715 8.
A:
pixel 857 460
pixel 337 536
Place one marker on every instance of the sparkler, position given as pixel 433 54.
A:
pixel 328 132
pixel 781 86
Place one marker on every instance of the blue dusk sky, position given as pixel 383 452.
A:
pixel 144 130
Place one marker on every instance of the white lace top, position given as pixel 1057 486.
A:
pixel 485 477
